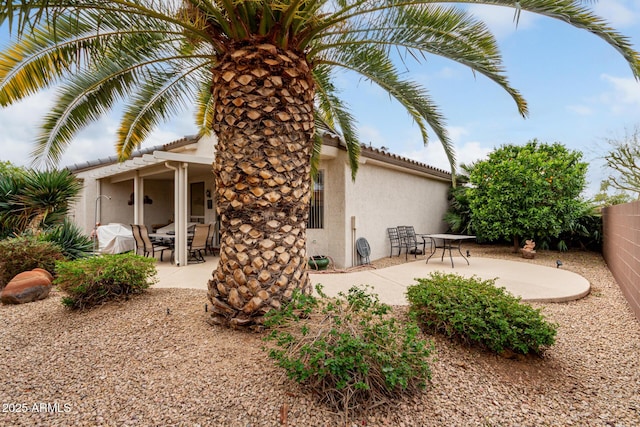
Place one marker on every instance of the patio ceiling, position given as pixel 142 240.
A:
pixel 152 166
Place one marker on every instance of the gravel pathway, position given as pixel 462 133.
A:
pixel 154 361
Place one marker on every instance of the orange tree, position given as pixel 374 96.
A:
pixel 531 191
pixel 260 75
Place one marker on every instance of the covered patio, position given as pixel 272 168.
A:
pixel 164 185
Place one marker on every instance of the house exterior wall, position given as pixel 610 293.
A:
pixel 328 241
pixel 621 249
pixel 382 196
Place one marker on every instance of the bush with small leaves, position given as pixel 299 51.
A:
pixel 476 311
pixel 92 281
pixel 25 253
pixel 349 350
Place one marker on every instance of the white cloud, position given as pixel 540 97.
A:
pixel 502 20
pixel 434 155
pixel 581 110
pixel 625 93
pixel 448 73
pixel 369 135
pixel 618 13
pixel 20 123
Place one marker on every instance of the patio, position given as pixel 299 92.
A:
pixel 530 281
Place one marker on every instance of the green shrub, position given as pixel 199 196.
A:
pixel 348 350
pixel 25 253
pixel 95 280
pixel 477 311
pixel 70 238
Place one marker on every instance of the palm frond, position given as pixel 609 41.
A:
pixel 331 111
pixel 163 95
pixel 373 64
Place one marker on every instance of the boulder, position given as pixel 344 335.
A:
pixel 28 286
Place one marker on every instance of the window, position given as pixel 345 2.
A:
pixel 316 211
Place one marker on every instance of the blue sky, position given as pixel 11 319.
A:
pixel 579 89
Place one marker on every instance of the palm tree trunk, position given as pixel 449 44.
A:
pixel 265 126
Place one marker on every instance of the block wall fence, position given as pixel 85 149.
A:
pixel 621 249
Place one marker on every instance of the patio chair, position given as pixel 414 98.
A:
pixel 409 241
pixel 394 238
pixel 151 247
pixel 199 242
pixel 135 229
pixel 212 239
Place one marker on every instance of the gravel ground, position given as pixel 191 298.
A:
pixel 132 363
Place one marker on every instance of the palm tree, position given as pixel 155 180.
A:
pixel 260 73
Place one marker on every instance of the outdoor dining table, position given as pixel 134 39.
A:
pixel 449 241
pixel 167 237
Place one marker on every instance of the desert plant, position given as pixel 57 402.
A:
pixel 34 200
pixel 25 253
pixel 260 75
pixel 92 281
pixel 477 311
pixel 74 243
pixel 348 350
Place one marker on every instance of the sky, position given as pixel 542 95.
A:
pixel 579 89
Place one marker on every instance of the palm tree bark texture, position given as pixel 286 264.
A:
pixel 265 126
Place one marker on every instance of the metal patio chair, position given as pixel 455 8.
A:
pixel 394 238
pixel 409 240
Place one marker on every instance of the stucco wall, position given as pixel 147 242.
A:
pixel 621 249
pixel 381 197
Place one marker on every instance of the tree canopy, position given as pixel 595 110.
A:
pixel 156 58
pixel 623 159
pixel 531 191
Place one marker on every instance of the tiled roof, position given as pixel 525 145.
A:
pixel 331 138
pixel 79 167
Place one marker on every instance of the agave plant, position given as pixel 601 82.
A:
pixel 34 200
pixel 260 75
pixel 68 236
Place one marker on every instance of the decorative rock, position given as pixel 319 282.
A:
pixel 26 287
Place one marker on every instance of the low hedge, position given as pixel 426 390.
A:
pixel 92 281
pixel 477 311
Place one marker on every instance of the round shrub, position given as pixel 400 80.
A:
pixel 25 253
pixel 476 311
pixel 348 350
pixel 92 281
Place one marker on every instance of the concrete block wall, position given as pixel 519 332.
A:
pixel 621 249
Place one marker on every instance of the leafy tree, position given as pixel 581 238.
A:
pixel 260 75
pixel 458 216
pixel 8 168
pixel 531 191
pixel 604 199
pixel 624 159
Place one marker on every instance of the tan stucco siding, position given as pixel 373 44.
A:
pixel 382 196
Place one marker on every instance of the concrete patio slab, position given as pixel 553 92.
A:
pixel 529 281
